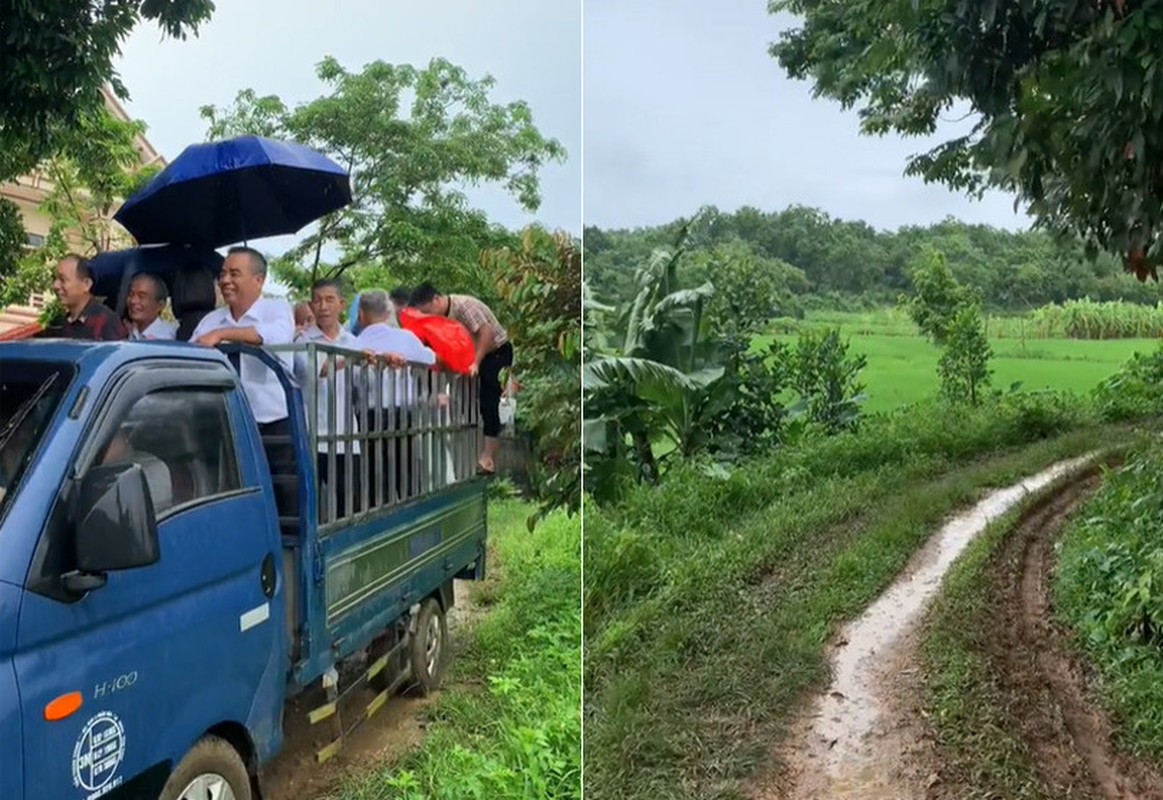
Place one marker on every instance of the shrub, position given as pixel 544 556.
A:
pixel 1135 391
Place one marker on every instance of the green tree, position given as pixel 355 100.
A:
pixel 949 315
pixel 55 58
pixel 95 167
pixel 827 380
pixel 1064 95
pixel 662 381
pixel 750 290
pixel 12 240
pixel 540 286
pixel 413 140
pixel 964 363
pixel 937 296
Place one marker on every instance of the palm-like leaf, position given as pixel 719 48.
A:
pixel 643 372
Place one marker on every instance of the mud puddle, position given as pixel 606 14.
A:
pixel 849 746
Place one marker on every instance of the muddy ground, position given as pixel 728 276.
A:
pixel 866 736
pixel 389 734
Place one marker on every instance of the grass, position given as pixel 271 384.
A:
pixel 708 603
pixel 1108 587
pixel 509 726
pixel 902 366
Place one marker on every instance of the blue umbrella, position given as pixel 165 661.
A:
pixel 234 190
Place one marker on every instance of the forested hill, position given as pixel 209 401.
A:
pixel 839 263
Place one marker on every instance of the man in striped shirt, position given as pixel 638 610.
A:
pixel 494 352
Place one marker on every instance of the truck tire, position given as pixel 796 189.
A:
pixel 428 649
pixel 212 769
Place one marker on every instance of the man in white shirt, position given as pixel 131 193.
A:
pixel 147 297
pixel 380 334
pixel 326 305
pixel 249 318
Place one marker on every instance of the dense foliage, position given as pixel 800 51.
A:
pixel 413 140
pixel 810 259
pixel 540 289
pixel 1109 588
pixel 56 57
pixel 1135 391
pixel 1066 99
pixel 1087 319
pixel 674 376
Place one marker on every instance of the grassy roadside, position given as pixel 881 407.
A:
pixel 1108 589
pixel 707 615
pixel 509 727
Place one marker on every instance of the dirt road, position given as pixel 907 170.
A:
pixel 391 733
pixel 865 737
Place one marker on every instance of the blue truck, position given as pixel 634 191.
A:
pixel 156 611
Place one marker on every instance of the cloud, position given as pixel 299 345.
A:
pixel 684 107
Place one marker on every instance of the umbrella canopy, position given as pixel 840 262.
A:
pixel 234 190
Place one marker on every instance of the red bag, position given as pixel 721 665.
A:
pixel 447 338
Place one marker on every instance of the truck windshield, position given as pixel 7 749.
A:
pixel 29 395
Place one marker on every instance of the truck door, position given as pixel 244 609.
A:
pixel 10 764
pixel 160 653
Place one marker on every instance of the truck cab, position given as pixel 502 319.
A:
pixel 143 590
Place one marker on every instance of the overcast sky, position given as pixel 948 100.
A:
pixel 684 107
pixel 531 47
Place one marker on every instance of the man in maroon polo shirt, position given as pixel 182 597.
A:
pixel 86 317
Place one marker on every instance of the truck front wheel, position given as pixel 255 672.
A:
pixel 212 770
pixel 428 650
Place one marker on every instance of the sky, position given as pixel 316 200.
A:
pixel 684 107
pixel 531 47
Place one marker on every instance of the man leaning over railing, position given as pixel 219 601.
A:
pixel 391 402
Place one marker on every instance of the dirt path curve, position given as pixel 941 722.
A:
pixel 850 746
pixel 390 734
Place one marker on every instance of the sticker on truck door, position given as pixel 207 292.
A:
pixel 97 754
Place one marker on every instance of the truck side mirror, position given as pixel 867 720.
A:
pixel 116 525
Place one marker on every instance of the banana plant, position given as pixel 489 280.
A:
pixel 665 379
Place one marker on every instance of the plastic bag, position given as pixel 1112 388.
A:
pixel 447 338
pixel 508 411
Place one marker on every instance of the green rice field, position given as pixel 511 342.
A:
pixel 902 366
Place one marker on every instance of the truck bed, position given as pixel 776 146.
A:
pixel 350 575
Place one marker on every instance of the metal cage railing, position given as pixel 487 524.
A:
pixel 382 435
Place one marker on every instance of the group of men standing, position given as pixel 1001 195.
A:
pixel 248 318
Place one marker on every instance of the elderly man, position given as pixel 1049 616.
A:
pixel 494 352
pixel 381 335
pixel 249 318
pixel 326 306
pixel 147 297
pixel 86 317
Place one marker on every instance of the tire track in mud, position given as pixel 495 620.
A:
pixel 866 736
pixel 1044 680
